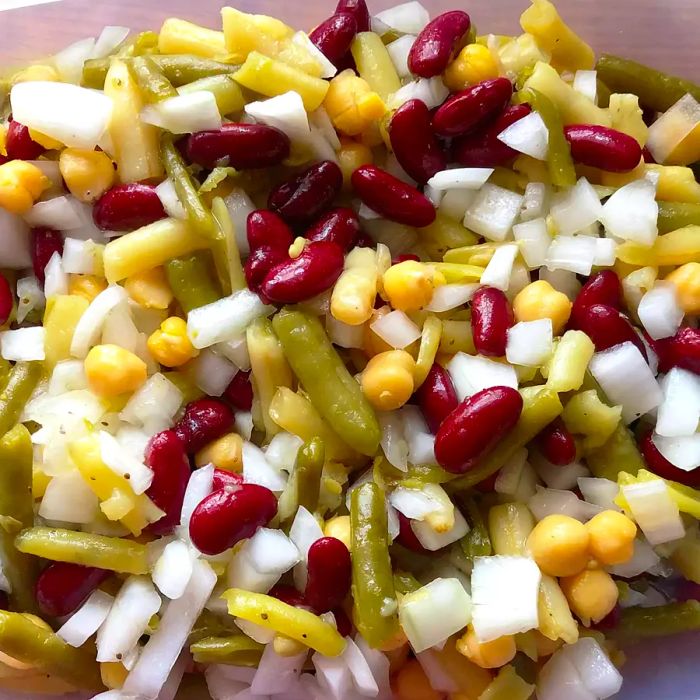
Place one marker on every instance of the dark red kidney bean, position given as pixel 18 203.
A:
pixel 407 537
pixel 6 299
pixel 658 464
pixel 240 391
pixel 392 198
pixel 204 420
pixel 62 588
pixel 342 622
pixel 358 9
pixel 165 455
pixel 340 226
pixel 404 257
pixel 414 143
pixel 492 316
pixel 557 443
pixel 607 327
pixel 603 287
pixel 364 240
pixel 437 397
pixel 259 264
pixel 305 196
pixel 265 228
pixel 333 36
pixel 4 597
pixel 223 478
pixel 242 146
pixel 3 160
pixel 648 158
pixel 473 107
pixel 20 145
pixel 483 149
pixel 289 595
pixel 438 43
pixel 329 569
pixel 45 242
pixel 128 207
pixel 230 515
pixel 475 427
pixel 604 148
pixel 298 279
pixel 683 350
pixel 687 590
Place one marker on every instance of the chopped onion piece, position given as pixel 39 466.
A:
pixel 460 178
pixel 398 51
pixel 659 311
pixel 85 621
pixel 396 329
pixel 119 329
pixel 586 82
pixel 60 213
pixel 562 280
pixel 328 70
pixel 235 350
pixel 360 669
pixel 472 373
pixel 530 343
pixel 320 120
pixel 605 252
pixel 243 423
pixel 29 297
pixel 672 127
pixel 68 499
pixel 627 380
pixel 534 241
pixel 198 488
pixel 432 540
pixel 68 375
pixel 415 504
pixel 433 667
pixel 643 559
pixel 184 114
pixel 169 199
pixel 284 112
pixel 14 241
pixel 257 470
pixel 597 672
pixel 121 462
pixel 528 135
pixel 211 372
pixel 55 277
pixel 407 18
pixel 432 91
pixel 573 253
pixel 559 679
pixel 599 492
pixel 451 296
pixel 654 510
pixel 679 413
pixel 632 211
pixel 499 269
pixel 272 552
pixel 73 115
pixel 89 327
pixel 558 502
pixel 69 61
pixel 242 574
pixel 224 319
pixel 576 208
pixel 173 570
pixel 219 685
pixel 154 403
pixel 239 205
pixel 110 38
pixel 282 451
pixel 434 612
pixel 23 344
pixel 493 212
pixel 333 677
pixel 682 452
pixel 275 673
pixel 421 442
pixel 393 442
pixel 533 202
pixel 379 664
pixel 304 531
pixel 79 257
pixel 455 203
pixel 557 476
pixel 344 335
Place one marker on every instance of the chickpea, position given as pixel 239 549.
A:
pixel 611 537
pixel 592 594
pixel 559 545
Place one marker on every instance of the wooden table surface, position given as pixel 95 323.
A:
pixel 660 32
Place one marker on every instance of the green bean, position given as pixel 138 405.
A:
pixel 238 650
pixel 405 583
pixel 112 553
pixel 179 69
pixel 227 257
pixel 16 502
pixel 24 377
pixel 154 86
pixel 144 44
pixel 655 89
pixel 227 92
pixel 559 161
pixel 660 621
pixel 5 368
pixel 675 215
pixel 374 597
pixel 26 641
pixel 191 282
pixel 308 470
pixel 200 218
pixel 476 543
pixel 331 388
pixel 540 408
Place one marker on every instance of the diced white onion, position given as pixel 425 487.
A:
pixel 257 470
pixel 407 18
pixel 333 677
pixel 69 61
pixel 398 51
pixel 509 474
pixel 60 213
pixel 85 621
pixel 79 257
pixel 23 344
pixel 344 335
pixel 659 310
pixel 593 664
pixel 557 476
pixel 275 673
pixel 282 451
pixel 421 442
pixel 460 178
pixel 432 91
pixel 586 82
pixel 198 488
pixel 493 212
pixel 560 679
pixel 379 664
pixel 212 372
pixel 239 205
pixel 605 253
pixel 224 319
pixel 396 329
pixel 434 669
pixel 243 423
pixel 235 350
pixel 272 552
pixel 122 462
pixel 415 504
pixel 559 502
pixel 643 559
pixel 599 492
pixel 184 114
pixel 631 213
pixel 73 115
pixel 360 669
pixel 68 499
pixel 172 571
pixel 472 373
pixel 219 685
pixel 119 329
pixel 55 277
pixel 528 135
pixel 14 241
pixel 284 112
pixel 533 202
pixel 504 596
pixel 392 440
pixel 242 574
pixel 320 120
pixel 562 280
pixel 328 70
pixel 110 38
pixel 52 170
pixel 153 404
pixel 450 296
pixel 679 413
pixel 455 203
pixel 29 297
pixel 533 240
pixel 626 379
pixel 67 376
pixel 89 327
pixel 304 531
pixel 654 510
pixel 169 199
pixel 682 452
pixel 576 208
pixel 432 540
pixel 433 194
pixel 500 267
pixel 573 253
pixel 672 127
pixel 434 612
pixel 530 343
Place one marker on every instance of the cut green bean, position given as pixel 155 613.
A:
pixel 405 583
pixel 227 256
pixel 191 282
pixel 660 621
pixel 237 650
pixel 154 86
pixel 308 470
pixel 227 92
pixel 476 543
pixel 675 215
pixel 24 377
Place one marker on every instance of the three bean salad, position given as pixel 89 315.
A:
pixel 362 363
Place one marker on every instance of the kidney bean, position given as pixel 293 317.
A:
pixel 407 537
pixel 4 598
pixel 230 515
pixel 683 350
pixel 62 588
pixel 414 143
pixel 392 198
pixel 223 478
pixel 305 196
pixel 492 316
pixel 557 443
pixel 364 240
pixel 358 9
pixel 165 455
pixel 128 207
pixel 438 43
pixel 483 149
pixel 265 228
pixel 289 595
pixel 240 391
pixel 405 256
pixel 658 464
pixel 604 148
pixel 259 264
pixel 606 327
pixel 601 288
pixel 6 299
pixel 340 226
pixel 648 158
pixel 20 145
pixel 204 420
pixel 45 242
pixel 342 622
pixel 687 590
pixel 473 107
pixel 334 36
pixel 437 397
pixel 475 427
pixel 298 279
pixel 242 146
pixel 329 574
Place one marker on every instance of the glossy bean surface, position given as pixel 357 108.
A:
pixel 492 316
pixel 128 207
pixel 438 43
